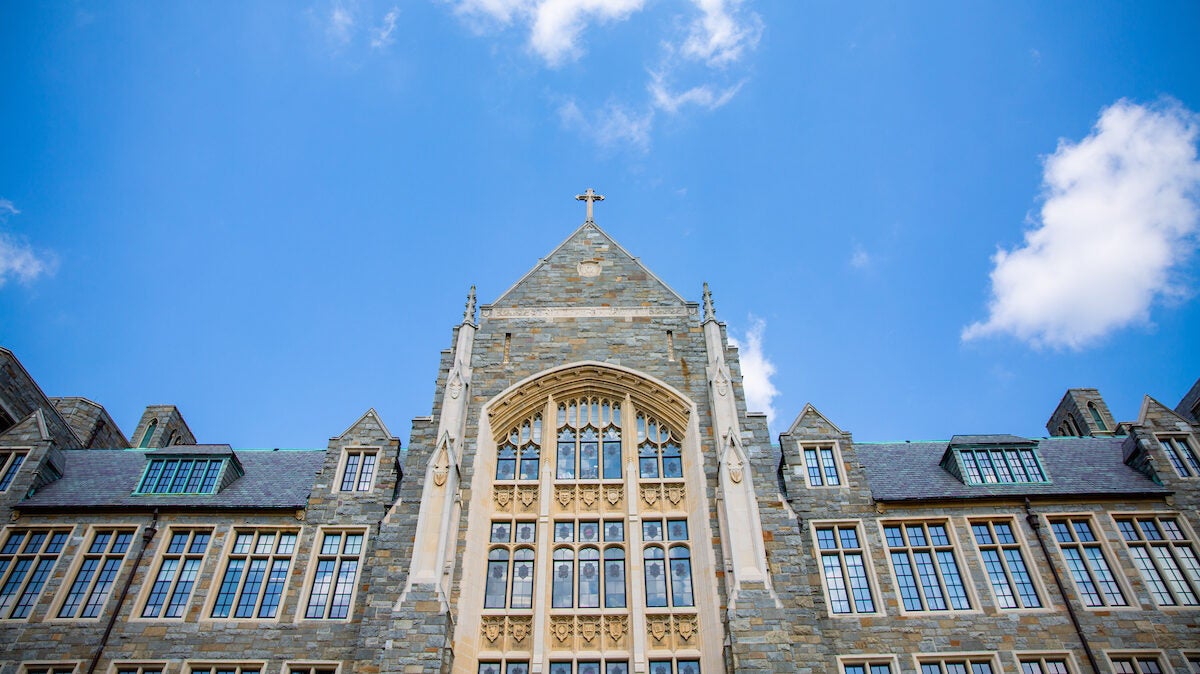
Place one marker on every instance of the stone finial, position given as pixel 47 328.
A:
pixel 469 314
pixel 589 196
pixel 710 314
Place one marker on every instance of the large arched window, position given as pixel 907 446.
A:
pixel 589 439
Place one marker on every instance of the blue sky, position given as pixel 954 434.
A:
pixel 923 218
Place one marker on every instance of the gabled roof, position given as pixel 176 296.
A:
pixel 107 478
pixel 811 417
pixel 560 280
pixel 911 471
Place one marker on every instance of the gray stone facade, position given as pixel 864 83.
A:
pixel 837 520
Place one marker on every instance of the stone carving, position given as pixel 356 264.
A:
pixel 589 268
pixel 721 383
pixel 616 626
pixel 441 466
pixel 588 628
pixel 527 495
pixel 518 628
pixel 675 493
pixel 503 496
pixel 735 469
pixel 658 627
pixel 584 312
pixel 650 495
pixel 455 386
pixel 564 495
pixel 588 495
pixel 493 627
pixel 613 495
pixel 561 628
pixel 685 627
pixel 710 313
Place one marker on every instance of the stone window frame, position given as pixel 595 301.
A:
pixel 1042 657
pixel 1136 657
pixel 595 659
pixel 1189 540
pixel 1192 658
pixel 50 667
pixel 868 564
pixel 81 555
pixel 576 545
pixel 1022 544
pixel 868 660
pixel 138 666
pixel 1182 453
pixel 1103 541
pixel 568 414
pixel 311 667
pixel 838 464
pixel 503 665
pixel 11 461
pixel 215 666
pixel 217 578
pixel 970 658
pixel 344 463
pixel 160 555
pixel 675 658
pixel 39 556
pixel 316 556
pixel 955 546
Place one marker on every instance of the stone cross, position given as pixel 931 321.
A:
pixel 589 196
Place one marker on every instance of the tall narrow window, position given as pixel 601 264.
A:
pixel 149 432
pixel 822 466
pixel 510 557
pixel 658 451
pixel 845 569
pixel 518 456
pixel 1165 557
pixel 1096 416
pixel 94 580
pixel 10 463
pixel 614 577
pixel 358 472
pixel 1182 455
pixel 26 560
pixel 1005 564
pixel 927 571
pixel 564 575
pixel 1089 567
pixel 177 571
pixel 255 574
pixel 337 572
pixel 589 440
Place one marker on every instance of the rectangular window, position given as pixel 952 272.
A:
pixel 1000 465
pixel 94 579
pixel 844 567
pixel 139 667
pixel 1182 455
pixel 10 463
pixel 1005 563
pixel 1136 664
pixel 358 469
pixel 1165 557
pixel 975 664
pixel 255 574
pixel 180 475
pixel 822 466
pixel 26 560
pixel 927 571
pixel 176 575
pixel 49 668
pixel 224 668
pixel 508 667
pixel 860 666
pixel 1050 664
pixel 312 668
pixel 1193 659
pixel 1085 558
pixel 333 584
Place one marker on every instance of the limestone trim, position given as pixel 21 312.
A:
pixel 138 666
pixel 333 550
pixel 311 667
pixel 163 550
pixel 46 546
pixel 1137 661
pixel 1119 570
pixel 78 591
pixel 866 660
pixel 354 458
pixel 1045 662
pixel 213 666
pixel 554 313
pixel 563 634
pixel 50 667
pixel 12 459
pixel 1162 574
pixel 820 464
pixel 932 538
pixel 840 554
pixel 234 548
pixel 1021 544
pixel 969 658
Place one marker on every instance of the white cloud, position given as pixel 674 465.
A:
pixel 614 124
pixel 720 35
pixel 341 24
pixel 757 370
pixel 860 258
pixel 703 96
pixel 382 36
pixel 17 259
pixel 554 25
pixel 1120 218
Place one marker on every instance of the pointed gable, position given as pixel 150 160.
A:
pixel 369 429
pixel 1158 415
pixel 812 424
pixel 589 269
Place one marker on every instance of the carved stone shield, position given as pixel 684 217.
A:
pixel 616 629
pixel 675 493
pixel 527 496
pixel 686 629
pixel 519 630
pixel 439 476
pixel 587 630
pixel 613 495
pixel 561 630
pixel 564 496
pixel 588 496
pixel 658 629
pixel 503 497
pixel 650 496
pixel 491 629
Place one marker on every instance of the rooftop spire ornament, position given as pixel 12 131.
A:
pixel 710 314
pixel 589 196
pixel 469 314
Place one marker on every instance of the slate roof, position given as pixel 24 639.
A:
pixel 909 471
pixel 106 478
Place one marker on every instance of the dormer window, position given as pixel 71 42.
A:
pixel 181 476
pixel 1002 462
pixel 1096 416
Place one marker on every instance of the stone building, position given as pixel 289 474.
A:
pixel 590 495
